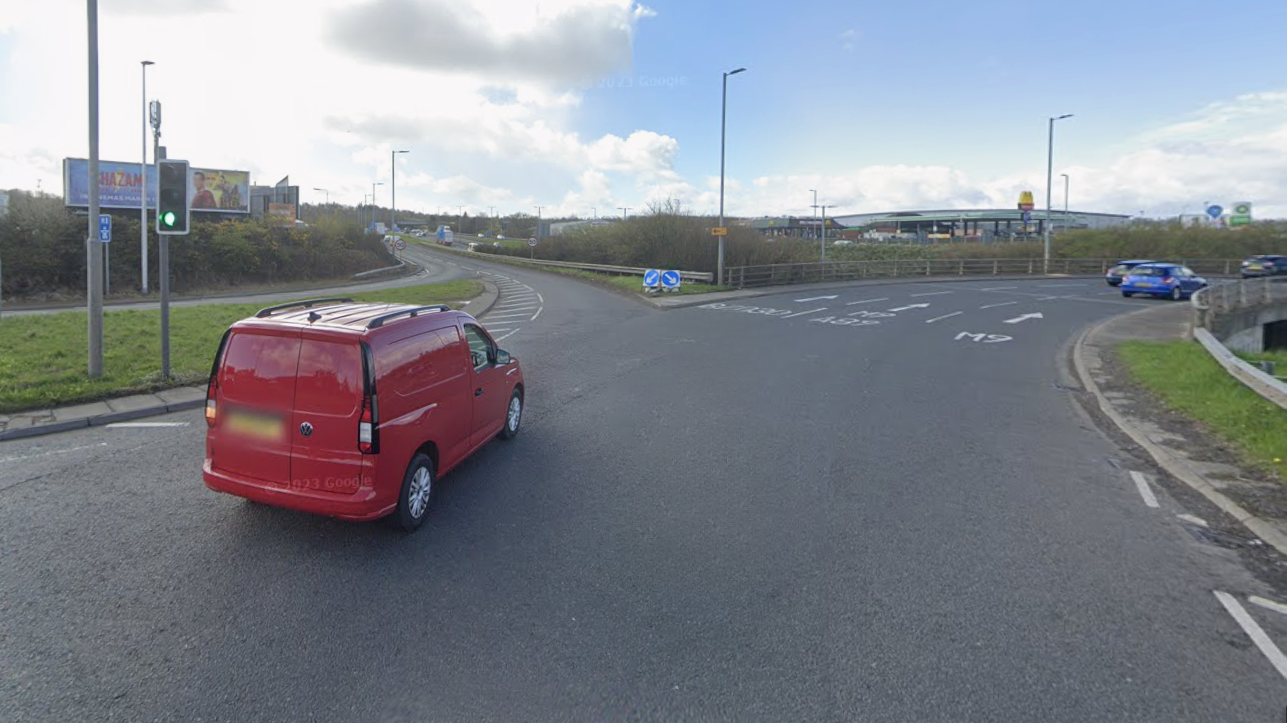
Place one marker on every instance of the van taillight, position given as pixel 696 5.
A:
pixel 368 433
pixel 211 408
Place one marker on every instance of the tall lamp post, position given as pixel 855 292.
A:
pixel 1065 175
pixel 538 221
pixel 328 200
pixel 723 122
pixel 393 203
pixel 374 206
pixel 625 212
pixel 1050 169
pixel 143 175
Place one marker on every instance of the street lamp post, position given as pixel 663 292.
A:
pixel 143 183
pixel 393 188
pixel 373 204
pixel 1065 175
pixel 723 122
pixel 822 228
pixel 93 250
pixel 538 221
pixel 328 200
pixel 625 212
pixel 1050 169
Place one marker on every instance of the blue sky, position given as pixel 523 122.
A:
pixel 595 104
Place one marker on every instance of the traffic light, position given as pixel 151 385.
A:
pixel 172 213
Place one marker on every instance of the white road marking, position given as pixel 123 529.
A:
pixel 1056 286
pixel 984 338
pixel 1048 298
pixel 1253 631
pixel 934 293
pixel 502 336
pixel 538 296
pixel 145 425
pixel 1194 520
pixel 803 313
pixel 516 307
pixel 1141 483
pixel 538 313
pixel 1024 317
pixel 993 306
pixel 815 298
pixel 20 457
pixel 867 301
pixel 945 316
pixel 998 288
pixel 913 306
pixel 502 316
pixel 1268 604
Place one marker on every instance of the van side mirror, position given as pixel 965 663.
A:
pixel 502 357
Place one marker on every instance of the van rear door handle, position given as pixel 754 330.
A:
pixel 478 392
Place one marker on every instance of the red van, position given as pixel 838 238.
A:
pixel 354 410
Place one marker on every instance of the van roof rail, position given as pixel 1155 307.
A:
pixel 300 305
pixel 378 321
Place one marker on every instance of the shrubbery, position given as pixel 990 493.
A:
pixel 42 247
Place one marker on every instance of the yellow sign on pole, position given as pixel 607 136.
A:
pixel 719 231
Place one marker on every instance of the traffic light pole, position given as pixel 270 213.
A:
pixel 173 218
pixel 163 244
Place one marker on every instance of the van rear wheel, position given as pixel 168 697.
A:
pixel 513 416
pixel 418 487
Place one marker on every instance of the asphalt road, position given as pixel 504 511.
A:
pixel 714 513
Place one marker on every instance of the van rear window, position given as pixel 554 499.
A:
pixel 259 370
pixel 330 378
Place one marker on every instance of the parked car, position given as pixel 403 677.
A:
pixel 1264 265
pixel 354 410
pixel 1162 279
pixel 1121 269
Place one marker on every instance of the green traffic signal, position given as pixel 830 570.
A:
pixel 168 218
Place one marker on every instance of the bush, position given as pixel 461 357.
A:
pixel 42 245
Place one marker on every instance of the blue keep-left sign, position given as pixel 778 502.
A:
pixel 1215 211
pixel 670 279
pixel 105 228
pixel 652 278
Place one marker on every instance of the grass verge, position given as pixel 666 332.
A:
pixel 44 356
pixel 1189 381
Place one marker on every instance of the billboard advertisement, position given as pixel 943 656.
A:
pixel 120 185
pixel 215 189
pixel 282 213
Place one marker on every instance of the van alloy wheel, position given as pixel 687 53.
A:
pixel 421 486
pixel 513 416
pixel 417 494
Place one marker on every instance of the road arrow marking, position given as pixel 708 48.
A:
pixel 945 316
pixel 1004 303
pixel 1025 317
pixel 913 306
pixel 867 301
pixel 814 298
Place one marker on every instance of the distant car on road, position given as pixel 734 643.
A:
pixel 1264 265
pixel 1171 281
pixel 1121 269
pixel 354 410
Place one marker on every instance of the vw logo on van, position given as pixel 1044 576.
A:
pixel 306 429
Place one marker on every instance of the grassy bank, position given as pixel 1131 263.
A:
pixel 1189 381
pixel 44 359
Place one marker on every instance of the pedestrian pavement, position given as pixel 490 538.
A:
pixel 137 406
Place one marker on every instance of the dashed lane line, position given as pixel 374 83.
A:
pixel 1253 631
pixel 69 450
pixel 866 301
pixel 993 306
pixel 1141 483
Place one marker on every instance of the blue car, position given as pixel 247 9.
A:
pixel 1121 269
pixel 1172 281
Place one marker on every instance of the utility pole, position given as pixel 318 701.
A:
pixel 824 233
pixel 94 254
pixel 723 121
pixel 393 203
pixel 143 172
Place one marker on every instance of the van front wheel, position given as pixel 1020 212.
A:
pixel 513 416
pixel 418 487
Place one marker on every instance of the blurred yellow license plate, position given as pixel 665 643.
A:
pixel 1255 267
pixel 252 425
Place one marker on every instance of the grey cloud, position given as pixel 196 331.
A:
pixel 580 44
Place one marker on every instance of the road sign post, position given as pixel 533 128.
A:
pixel 531 244
pixel 670 281
pixel 105 237
pixel 651 280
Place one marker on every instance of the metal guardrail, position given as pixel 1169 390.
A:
pixel 1241 295
pixel 1214 301
pixel 776 274
pixel 1254 379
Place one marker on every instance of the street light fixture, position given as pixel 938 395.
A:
pixel 723 116
pixel 1050 169
pixel 143 186
pixel 393 204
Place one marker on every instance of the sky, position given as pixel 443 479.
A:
pixel 583 107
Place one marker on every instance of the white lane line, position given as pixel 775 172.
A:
pixel 1048 298
pixel 945 316
pixel 866 301
pixel 1253 631
pixel 1268 604
pixel 935 293
pixel 538 313
pixel 145 425
pixel 804 313
pixel 503 316
pixel 520 306
pixel 1141 483
pixel 993 306
pixel 20 457
pixel 502 336
pixel 538 296
pixel 998 288
pixel 1194 520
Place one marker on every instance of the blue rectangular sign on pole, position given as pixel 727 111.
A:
pixel 105 228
